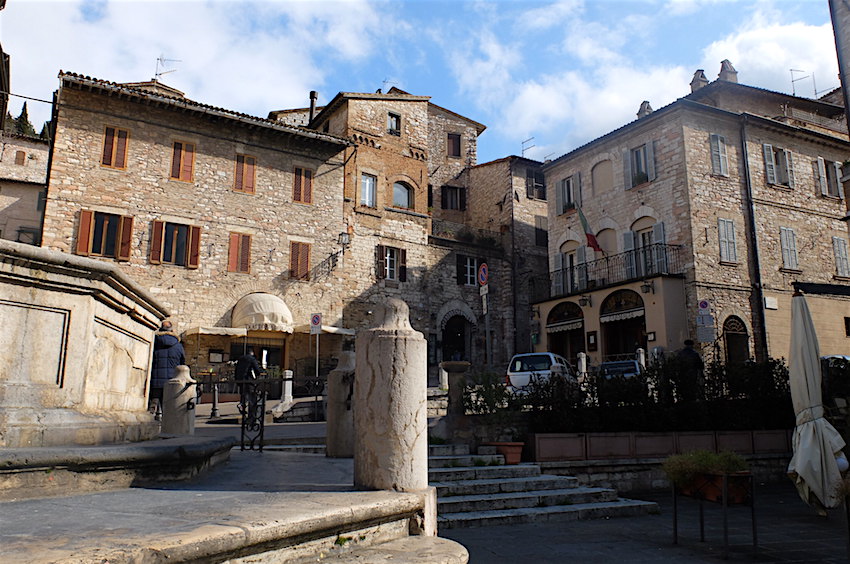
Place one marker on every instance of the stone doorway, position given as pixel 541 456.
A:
pixel 623 321
pixel 565 330
pixel 456 339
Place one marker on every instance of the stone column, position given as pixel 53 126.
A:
pixel 340 417
pixel 178 405
pixel 390 403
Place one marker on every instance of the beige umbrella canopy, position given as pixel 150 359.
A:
pixel 816 442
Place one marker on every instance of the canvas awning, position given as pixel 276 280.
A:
pixel 564 326
pixel 621 315
pixel 262 312
pixel 326 329
pixel 224 331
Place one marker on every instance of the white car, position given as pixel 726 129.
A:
pixel 536 367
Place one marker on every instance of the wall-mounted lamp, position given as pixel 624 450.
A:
pixel 585 301
pixel 344 239
pixel 647 287
pixel 535 311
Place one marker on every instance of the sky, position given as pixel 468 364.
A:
pixel 544 77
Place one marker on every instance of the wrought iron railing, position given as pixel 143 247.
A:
pixel 651 260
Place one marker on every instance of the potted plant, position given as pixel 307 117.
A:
pixel 700 473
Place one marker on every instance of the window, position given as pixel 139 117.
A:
pixel 402 195
pixel 726 234
pixel 535 185
pixel 779 166
pixel 104 235
pixel 391 263
pixel 645 248
pixel 175 243
pixel 28 235
pixel 639 165
pixel 788 242
pixel 183 161
pixel 839 248
pixel 115 148
pixel 393 124
pixel 829 178
pixel 467 270
pixel 847 326
pixel 20 158
pixel 541 230
pixel 246 171
pixel 453 145
pixel 719 161
pixel 568 193
pixel 239 253
pixel 299 260
pixel 368 190
pixel 302 186
pixel 453 198
pixel 602 177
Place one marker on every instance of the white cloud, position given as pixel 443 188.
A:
pixel 483 67
pixel 551 15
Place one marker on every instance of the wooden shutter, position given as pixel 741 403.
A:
pixel 789 167
pixel 577 188
pixel 723 239
pixel 194 247
pixel 108 146
pixel 560 196
pixel 838 175
pixel 245 253
pixel 788 243
pixel 558 275
pixel 175 159
pixel 462 196
pixel 250 174
pixel 629 250
pixel 650 160
pixel 84 233
pixel 296 186
pixel 188 162
pixel 125 238
pixel 380 267
pixel 20 158
pixel 839 248
pixel 121 149
pixel 822 179
pixel 769 164
pixel 529 183
pixel 659 248
pixel 240 173
pixel 308 186
pixel 719 161
pixel 402 265
pixel 461 269
pixel 444 197
pixel 156 242
pixel 304 261
pixel 627 169
pixel 581 267
pixel 233 253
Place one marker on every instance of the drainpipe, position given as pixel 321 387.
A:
pixel 754 244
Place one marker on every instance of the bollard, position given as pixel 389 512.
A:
pixel 340 425
pixel 390 403
pixel 287 386
pixel 178 409
pixel 641 358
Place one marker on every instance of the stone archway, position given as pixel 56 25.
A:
pixel 565 331
pixel 623 323
pixel 736 340
pixel 457 323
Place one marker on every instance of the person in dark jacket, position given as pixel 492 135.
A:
pixel 167 355
pixel 247 368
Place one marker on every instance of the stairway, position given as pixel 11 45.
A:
pixel 479 490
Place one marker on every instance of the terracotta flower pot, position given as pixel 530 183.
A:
pixel 511 451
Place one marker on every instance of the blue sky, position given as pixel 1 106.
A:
pixel 562 72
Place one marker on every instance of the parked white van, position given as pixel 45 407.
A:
pixel 536 367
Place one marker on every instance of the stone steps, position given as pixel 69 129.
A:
pixel 299 448
pixel 464 461
pixel 504 485
pixel 408 550
pixel 524 499
pixel 453 474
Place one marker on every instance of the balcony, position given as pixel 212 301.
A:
pixel 652 260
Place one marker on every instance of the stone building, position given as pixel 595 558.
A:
pixel 23 179
pixel 704 215
pixel 231 221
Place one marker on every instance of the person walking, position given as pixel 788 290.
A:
pixel 247 368
pixel 689 386
pixel 168 354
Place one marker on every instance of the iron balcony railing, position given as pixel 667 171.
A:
pixel 651 260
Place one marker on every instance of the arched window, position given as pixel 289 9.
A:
pixel 402 195
pixel 736 340
pixel 602 176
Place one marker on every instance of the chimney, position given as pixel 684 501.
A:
pixel 645 109
pixel 313 97
pixel 727 72
pixel 699 80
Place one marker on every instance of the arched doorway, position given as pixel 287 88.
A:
pixel 623 323
pixel 736 340
pixel 455 339
pixel 565 331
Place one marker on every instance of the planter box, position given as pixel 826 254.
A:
pixel 609 445
pixel 710 488
pixel 558 446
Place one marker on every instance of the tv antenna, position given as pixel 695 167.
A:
pixel 794 80
pixel 526 147
pixel 161 61
pixel 387 82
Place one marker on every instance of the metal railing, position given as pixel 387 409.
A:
pixel 651 260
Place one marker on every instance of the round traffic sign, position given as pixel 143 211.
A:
pixel 316 319
pixel 483 274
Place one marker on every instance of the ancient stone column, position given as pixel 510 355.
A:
pixel 340 416
pixel 390 403
pixel 178 405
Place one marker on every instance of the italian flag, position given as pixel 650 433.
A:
pixel 588 232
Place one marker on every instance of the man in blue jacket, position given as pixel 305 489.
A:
pixel 167 355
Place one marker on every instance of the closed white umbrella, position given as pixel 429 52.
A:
pixel 816 442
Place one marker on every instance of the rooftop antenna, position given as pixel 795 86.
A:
pixel 794 80
pixel 387 82
pixel 161 62
pixel 527 147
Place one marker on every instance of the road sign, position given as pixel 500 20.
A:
pixel 315 323
pixel 705 321
pixel 483 274
pixel 484 304
pixel 704 307
pixel 484 290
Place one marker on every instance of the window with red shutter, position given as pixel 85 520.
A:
pixel 104 235
pixel 125 238
pixel 194 247
pixel 302 186
pixel 245 172
pixel 239 258
pixel 175 243
pixel 83 246
pixel 299 260
pixel 115 148
pixel 182 161
pixel 20 158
